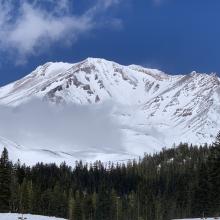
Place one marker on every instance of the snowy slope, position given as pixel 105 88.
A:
pixel 10 216
pixel 90 81
pixel 153 109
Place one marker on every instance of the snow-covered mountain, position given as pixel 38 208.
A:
pixel 153 109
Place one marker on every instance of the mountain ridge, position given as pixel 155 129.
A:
pixel 154 109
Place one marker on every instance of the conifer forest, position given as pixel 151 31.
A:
pixel 180 182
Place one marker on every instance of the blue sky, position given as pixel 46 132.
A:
pixel 176 36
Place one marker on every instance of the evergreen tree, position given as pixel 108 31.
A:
pixel 14 200
pixel 5 182
pixel 88 207
pixel 214 177
pixel 202 193
pixel 77 208
pixel 103 204
pixel 71 208
pixel 114 206
pixel 26 195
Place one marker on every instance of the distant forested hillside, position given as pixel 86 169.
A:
pixel 176 183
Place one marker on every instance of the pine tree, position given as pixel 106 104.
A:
pixel 77 208
pixel 14 201
pixel 59 202
pixel 71 208
pixel 114 206
pixel 103 204
pixel 88 207
pixel 214 178
pixel 5 182
pixel 26 196
pixel 202 193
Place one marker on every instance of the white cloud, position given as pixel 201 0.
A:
pixel 30 27
pixel 66 128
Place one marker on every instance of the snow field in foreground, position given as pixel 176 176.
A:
pixel 14 216
pixel 198 218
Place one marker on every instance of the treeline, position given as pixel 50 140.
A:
pixel 176 183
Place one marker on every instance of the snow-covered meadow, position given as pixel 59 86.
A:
pixel 13 216
pixel 199 218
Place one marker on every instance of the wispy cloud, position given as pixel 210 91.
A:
pixel 29 27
